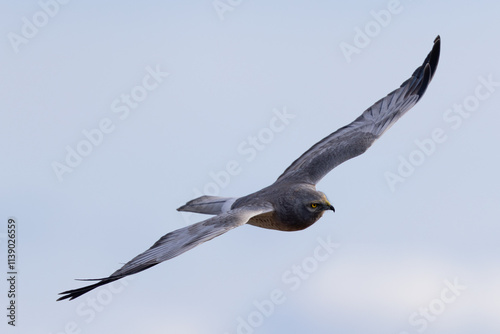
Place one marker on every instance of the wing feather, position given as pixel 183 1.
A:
pixel 176 243
pixel 355 138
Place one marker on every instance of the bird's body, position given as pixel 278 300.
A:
pixel 292 203
pixel 289 213
pixel 286 215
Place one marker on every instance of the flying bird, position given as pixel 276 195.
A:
pixel 292 202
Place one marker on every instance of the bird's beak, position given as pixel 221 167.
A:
pixel 330 206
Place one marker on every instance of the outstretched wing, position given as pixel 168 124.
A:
pixel 355 138
pixel 176 243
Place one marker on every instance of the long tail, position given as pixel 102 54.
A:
pixel 211 205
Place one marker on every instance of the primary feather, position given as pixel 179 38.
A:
pixel 176 243
pixel 355 138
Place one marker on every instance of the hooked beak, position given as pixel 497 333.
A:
pixel 329 206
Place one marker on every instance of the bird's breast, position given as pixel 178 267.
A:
pixel 272 221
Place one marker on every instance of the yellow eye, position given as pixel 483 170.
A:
pixel 314 205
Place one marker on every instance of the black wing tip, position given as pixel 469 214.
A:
pixel 430 65
pixel 69 295
pixel 423 75
pixel 72 294
pixel 434 55
pixel 75 293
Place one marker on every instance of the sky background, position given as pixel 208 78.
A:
pixel 232 67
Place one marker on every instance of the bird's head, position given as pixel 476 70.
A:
pixel 303 207
pixel 316 202
pixel 312 205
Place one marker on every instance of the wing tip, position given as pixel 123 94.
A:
pixel 75 293
pixel 423 75
pixel 430 65
pixel 434 55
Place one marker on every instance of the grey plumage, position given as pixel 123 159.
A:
pixel 210 205
pixel 176 243
pixel 292 202
pixel 355 138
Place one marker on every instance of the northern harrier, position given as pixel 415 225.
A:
pixel 292 202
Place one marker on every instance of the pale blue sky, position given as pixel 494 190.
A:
pixel 229 75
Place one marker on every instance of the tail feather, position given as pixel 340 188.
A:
pixel 212 205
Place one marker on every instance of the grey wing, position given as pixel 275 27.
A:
pixel 355 138
pixel 176 243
